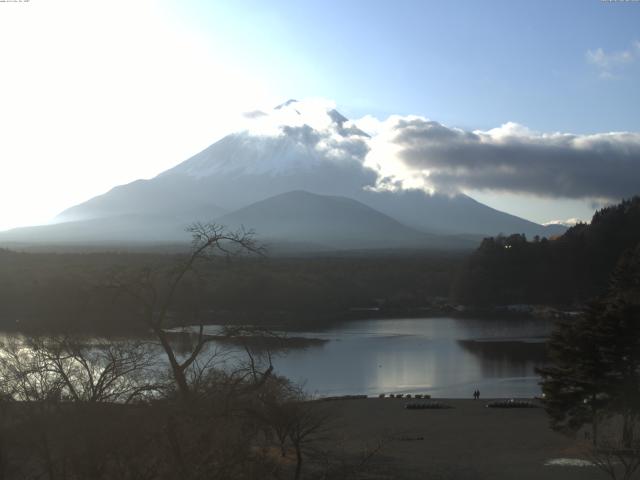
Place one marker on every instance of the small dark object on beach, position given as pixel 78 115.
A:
pixel 420 396
pixel 344 397
pixel 426 406
pixel 511 404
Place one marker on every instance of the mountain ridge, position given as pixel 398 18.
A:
pixel 335 221
pixel 248 167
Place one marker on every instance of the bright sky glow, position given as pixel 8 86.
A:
pixel 95 94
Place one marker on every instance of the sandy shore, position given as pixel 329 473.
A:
pixel 465 441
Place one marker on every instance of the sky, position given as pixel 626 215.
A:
pixel 530 107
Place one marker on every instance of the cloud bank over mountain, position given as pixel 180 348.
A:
pixel 301 174
pixel 513 159
pixel 409 152
pixel 314 124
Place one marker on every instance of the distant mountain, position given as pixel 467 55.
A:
pixel 294 221
pixel 332 222
pixel 451 214
pixel 236 171
pixel 228 180
pixel 117 229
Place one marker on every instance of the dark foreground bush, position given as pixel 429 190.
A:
pixel 70 411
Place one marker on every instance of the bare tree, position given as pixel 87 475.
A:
pixel 67 369
pixel 297 423
pixel 61 393
pixel 309 425
pixel 155 290
pixel 613 454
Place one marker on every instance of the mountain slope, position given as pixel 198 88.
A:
pixel 451 215
pixel 120 229
pixel 331 221
pixel 242 169
pixel 296 221
pixel 289 154
pixel 180 197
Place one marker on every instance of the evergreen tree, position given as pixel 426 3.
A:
pixel 572 386
pixel 595 360
pixel 565 270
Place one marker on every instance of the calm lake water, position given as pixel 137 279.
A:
pixel 444 357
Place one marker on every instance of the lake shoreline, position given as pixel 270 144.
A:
pixel 295 322
pixel 391 355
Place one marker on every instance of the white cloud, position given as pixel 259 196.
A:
pixel 511 161
pixel 569 222
pixel 610 63
pixel 414 152
pixel 384 156
pixel 293 113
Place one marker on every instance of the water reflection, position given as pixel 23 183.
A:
pixel 441 356
pixel 506 358
pixel 444 357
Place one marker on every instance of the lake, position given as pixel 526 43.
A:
pixel 445 357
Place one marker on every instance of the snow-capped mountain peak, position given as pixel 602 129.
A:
pixel 246 154
pixel 296 136
pixel 298 146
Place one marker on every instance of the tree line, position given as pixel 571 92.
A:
pixel 72 292
pixel 567 270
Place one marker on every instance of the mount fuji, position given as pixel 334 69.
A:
pixel 297 176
